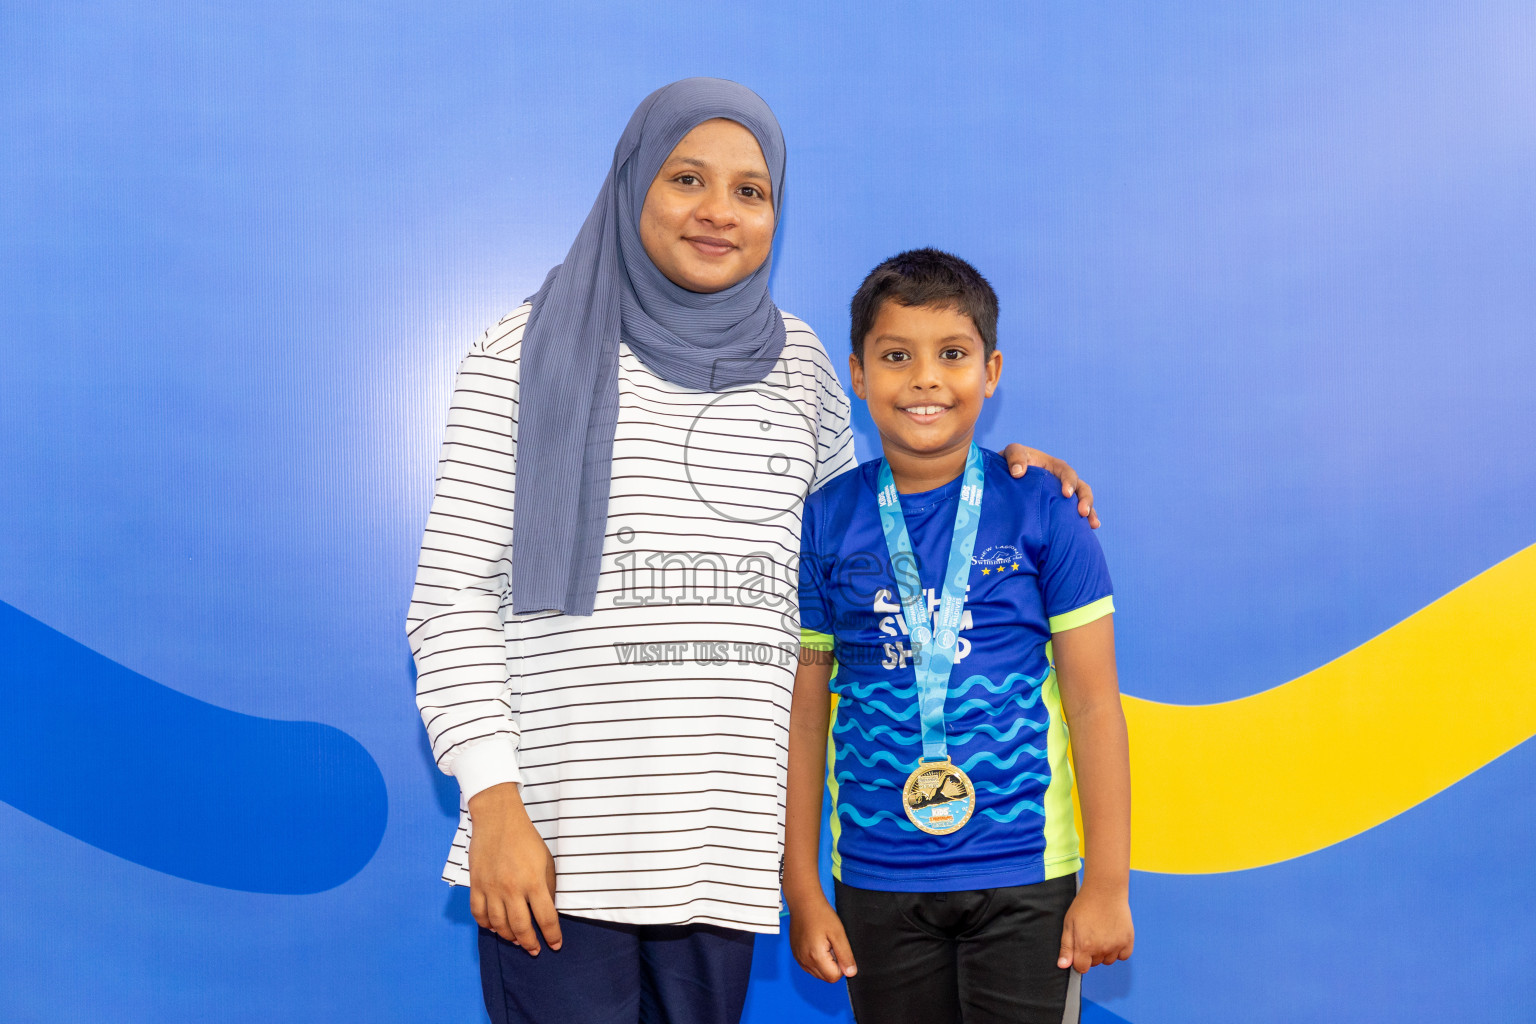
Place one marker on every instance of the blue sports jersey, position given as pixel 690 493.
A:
pixel 1037 569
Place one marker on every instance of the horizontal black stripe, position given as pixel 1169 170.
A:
pixel 638 795
pixel 668 906
pixel 683 885
pixel 652 814
pixel 644 738
pixel 642 757
pixel 774 869
pixel 588 722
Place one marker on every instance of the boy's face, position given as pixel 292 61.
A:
pixel 924 375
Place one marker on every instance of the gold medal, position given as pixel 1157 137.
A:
pixel 938 798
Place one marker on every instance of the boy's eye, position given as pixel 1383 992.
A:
pixel 895 357
pixel 953 353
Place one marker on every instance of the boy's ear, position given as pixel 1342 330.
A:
pixel 856 374
pixel 994 371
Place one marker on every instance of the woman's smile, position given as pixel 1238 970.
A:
pixel 708 246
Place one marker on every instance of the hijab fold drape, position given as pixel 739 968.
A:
pixel 608 290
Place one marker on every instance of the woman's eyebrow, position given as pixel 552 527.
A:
pixel 705 165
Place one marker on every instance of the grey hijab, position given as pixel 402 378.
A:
pixel 608 290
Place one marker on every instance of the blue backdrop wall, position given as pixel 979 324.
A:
pixel 1267 280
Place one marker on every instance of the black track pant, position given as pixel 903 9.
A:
pixel 985 956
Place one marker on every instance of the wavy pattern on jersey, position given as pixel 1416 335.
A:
pixel 853 815
pixel 1359 740
pixel 1014 680
pixel 1002 762
pixel 908 737
pixel 960 739
pixel 954 714
pixel 169 782
pixel 1020 699
pixel 962 708
pixel 862 691
pixel 878 783
pixel 969 765
pixel 1014 784
pixel 847 750
pixel 1014 811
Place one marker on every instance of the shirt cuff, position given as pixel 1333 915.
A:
pixel 1084 615
pixel 815 641
pixel 485 763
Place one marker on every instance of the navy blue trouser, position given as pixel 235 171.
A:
pixel 607 973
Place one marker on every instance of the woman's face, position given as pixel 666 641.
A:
pixel 707 221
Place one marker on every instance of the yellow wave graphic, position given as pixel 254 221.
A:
pixel 1223 787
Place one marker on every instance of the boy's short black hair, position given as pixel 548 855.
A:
pixel 925 277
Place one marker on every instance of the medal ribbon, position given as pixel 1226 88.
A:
pixel 933 643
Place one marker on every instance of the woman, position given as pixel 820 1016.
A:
pixel 612 692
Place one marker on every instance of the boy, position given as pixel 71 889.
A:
pixel 944 586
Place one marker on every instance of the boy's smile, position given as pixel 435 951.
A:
pixel 925 374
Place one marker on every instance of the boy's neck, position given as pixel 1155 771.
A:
pixel 914 472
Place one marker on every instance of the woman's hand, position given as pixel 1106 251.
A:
pixel 817 939
pixel 1021 457
pixel 511 874
pixel 1097 930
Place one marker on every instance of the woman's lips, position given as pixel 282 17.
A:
pixel 710 246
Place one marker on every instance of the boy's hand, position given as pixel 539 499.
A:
pixel 1021 457
pixel 511 874
pixel 1097 931
pixel 817 939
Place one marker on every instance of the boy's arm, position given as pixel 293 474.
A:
pixel 816 934
pixel 1098 928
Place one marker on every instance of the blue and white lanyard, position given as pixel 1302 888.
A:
pixel 933 643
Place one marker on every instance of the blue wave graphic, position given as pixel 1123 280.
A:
pixel 146 773
pixel 993 709
pixel 1013 786
pixel 905 737
pixel 900 716
pixel 860 691
pixel 987 755
pixel 1012 681
pixel 847 750
pixel 848 778
pixel 960 739
pixel 955 713
pixel 1017 809
pixel 859 819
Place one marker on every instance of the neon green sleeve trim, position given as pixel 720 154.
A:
pixel 815 641
pixel 1080 616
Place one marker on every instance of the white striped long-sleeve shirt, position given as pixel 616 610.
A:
pixel 649 739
